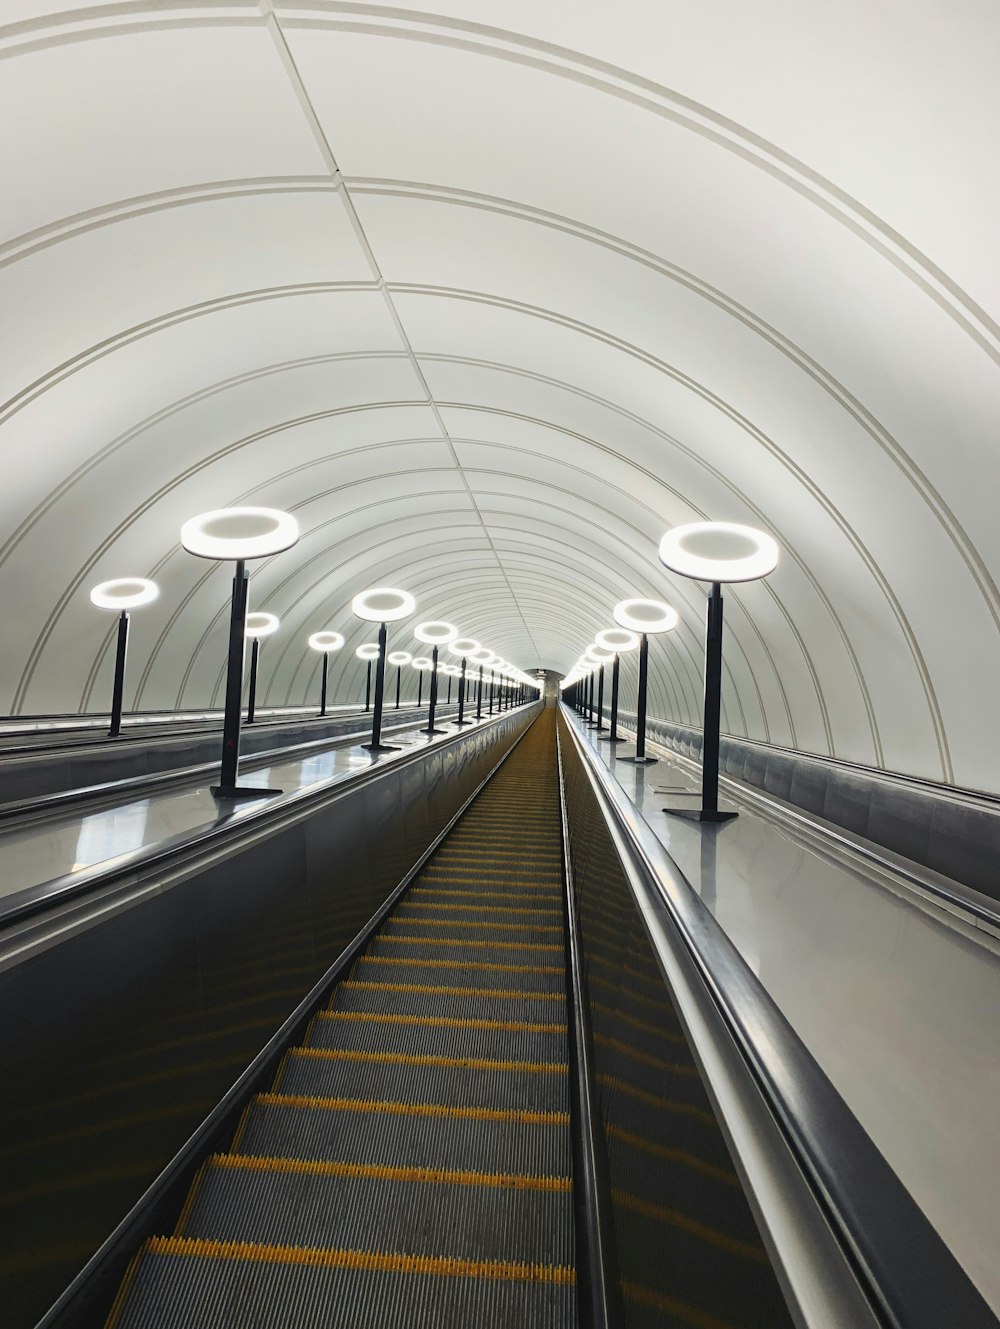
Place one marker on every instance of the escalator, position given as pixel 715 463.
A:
pixel 412 1162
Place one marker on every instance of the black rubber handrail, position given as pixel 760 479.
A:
pixel 909 1276
pixel 188 845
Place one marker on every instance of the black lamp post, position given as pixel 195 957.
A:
pixel 382 605
pixel 326 643
pixel 715 552
pixel 434 633
pixel 647 617
pixel 239 534
pixel 399 658
pixel 259 625
pixel 368 652
pixel 463 647
pixel 618 640
pixel 123 594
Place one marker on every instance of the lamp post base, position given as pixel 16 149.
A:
pixel 606 738
pixel 460 724
pixel 381 747
pixel 433 731
pixel 701 814
pixel 242 791
pixel 639 761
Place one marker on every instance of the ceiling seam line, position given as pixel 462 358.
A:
pixel 299 88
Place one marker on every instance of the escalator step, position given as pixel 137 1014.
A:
pixel 478 1003
pixel 413 919
pixel 461 1215
pixel 415 946
pixel 438 1036
pixel 399 968
pixel 486 1084
pixel 280 1125
pixel 182 1284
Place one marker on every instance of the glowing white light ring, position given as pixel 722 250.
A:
pixel 260 532
pixel 383 604
pixel 649 616
pixel 423 663
pixel 600 654
pixel 398 658
pixel 124 593
pixel 436 632
pixel 618 640
pixel 481 657
pixel 369 651
pixel 327 641
pixel 760 558
pixel 260 624
pixel 464 646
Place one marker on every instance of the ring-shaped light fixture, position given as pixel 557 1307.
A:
pixel 464 646
pixel 369 651
pixel 260 624
pixel 435 632
pixel 399 657
pixel 618 640
pixel 328 641
pixel 383 604
pixel 719 551
pixel 239 533
pixel 599 654
pixel 124 593
pixel 650 616
pixel 422 662
pixel 481 657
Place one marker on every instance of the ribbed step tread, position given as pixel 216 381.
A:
pixel 415 946
pixel 414 919
pixel 363 1032
pixel 493 1002
pixel 386 1133
pixel 414 1082
pixel 190 1291
pixel 546 975
pixel 481 1216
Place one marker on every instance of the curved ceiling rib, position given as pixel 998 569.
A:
pixel 490 306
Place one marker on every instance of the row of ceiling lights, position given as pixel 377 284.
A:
pixel 241 534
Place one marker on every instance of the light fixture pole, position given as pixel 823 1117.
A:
pixel 239 534
pixel 462 647
pixel 645 617
pixel 399 658
pixel 258 626
pixel 326 643
pixel 434 633
pixel 617 640
pixel 368 652
pixel 123 594
pixel 715 552
pixel 382 605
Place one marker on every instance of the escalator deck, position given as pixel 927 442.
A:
pixel 411 1165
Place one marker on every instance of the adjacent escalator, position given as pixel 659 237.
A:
pixel 411 1163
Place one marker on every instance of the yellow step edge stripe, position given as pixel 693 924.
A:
pixel 441 1022
pixel 724 1175
pixel 408 919
pixel 413 903
pixel 677 1310
pixel 670 1105
pixel 517 1116
pixel 647 1060
pixel 470 879
pixel 364 985
pixel 514 1181
pixel 493 968
pixel 642 1025
pixel 661 1214
pixel 375 1261
pixel 467 942
pixel 487 895
pixel 425 1059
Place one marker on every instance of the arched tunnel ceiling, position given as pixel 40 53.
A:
pixel 491 296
